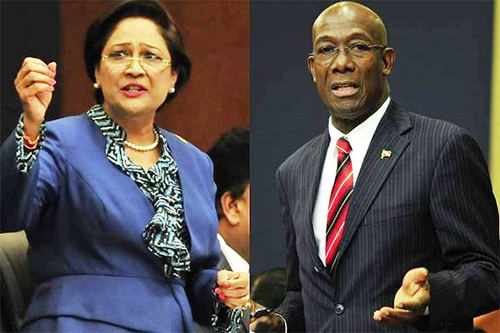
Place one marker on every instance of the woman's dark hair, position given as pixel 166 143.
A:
pixel 101 29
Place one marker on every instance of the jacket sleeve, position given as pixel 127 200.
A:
pixel 28 180
pixel 292 306
pixel 465 217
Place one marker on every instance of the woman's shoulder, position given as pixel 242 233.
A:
pixel 70 132
pixel 68 124
pixel 182 147
pixel 179 142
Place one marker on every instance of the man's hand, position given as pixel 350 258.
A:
pixel 410 300
pixel 233 288
pixel 268 323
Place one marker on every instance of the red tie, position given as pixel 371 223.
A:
pixel 340 199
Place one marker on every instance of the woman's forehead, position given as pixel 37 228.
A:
pixel 137 31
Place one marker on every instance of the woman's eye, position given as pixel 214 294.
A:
pixel 118 54
pixel 151 56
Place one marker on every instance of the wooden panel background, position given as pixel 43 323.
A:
pixel 216 97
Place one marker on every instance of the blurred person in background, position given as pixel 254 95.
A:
pixel 230 156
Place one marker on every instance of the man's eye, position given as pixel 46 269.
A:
pixel 326 49
pixel 360 47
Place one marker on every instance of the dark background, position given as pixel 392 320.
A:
pixel 442 70
pixel 28 29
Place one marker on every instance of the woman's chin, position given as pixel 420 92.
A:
pixel 132 108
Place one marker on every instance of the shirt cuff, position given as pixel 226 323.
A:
pixel 25 158
pixel 225 319
pixel 426 311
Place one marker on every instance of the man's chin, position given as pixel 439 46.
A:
pixel 346 113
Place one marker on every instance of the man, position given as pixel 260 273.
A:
pixel 390 216
pixel 230 156
pixel 231 173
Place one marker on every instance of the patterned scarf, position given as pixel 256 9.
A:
pixel 166 235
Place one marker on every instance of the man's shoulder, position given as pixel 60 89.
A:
pixel 436 131
pixel 422 122
pixel 295 160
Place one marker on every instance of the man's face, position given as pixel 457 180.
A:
pixel 351 84
pixel 244 225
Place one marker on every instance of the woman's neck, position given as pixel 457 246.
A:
pixel 139 127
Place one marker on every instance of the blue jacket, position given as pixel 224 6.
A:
pixel 84 218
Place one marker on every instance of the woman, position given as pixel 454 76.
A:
pixel 119 213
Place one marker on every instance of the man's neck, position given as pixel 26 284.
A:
pixel 347 125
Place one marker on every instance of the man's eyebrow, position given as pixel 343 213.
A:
pixel 354 35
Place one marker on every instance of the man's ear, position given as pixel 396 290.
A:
pixel 388 58
pixel 229 207
pixel 310 62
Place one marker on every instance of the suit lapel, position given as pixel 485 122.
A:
pixel 313 162
pixel 375 169
pixel 223 263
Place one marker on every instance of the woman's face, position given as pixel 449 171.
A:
pixel 135 87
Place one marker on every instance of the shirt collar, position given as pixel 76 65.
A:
pixel 362 134
pixel 237 263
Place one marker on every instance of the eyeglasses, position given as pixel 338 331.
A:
pixel 148 61
pixel 325 54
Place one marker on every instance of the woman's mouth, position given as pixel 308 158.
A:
pixel 133 90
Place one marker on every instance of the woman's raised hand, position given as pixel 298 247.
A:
pixel 35 84
pixel 233 288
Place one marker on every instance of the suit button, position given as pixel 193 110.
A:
pixel 316 269
pixel 339 309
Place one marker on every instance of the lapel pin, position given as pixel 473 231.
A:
pixel 385 154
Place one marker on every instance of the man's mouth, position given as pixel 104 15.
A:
pixel 345 89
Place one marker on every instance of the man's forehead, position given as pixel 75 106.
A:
pixel 343 17
pixel 343 34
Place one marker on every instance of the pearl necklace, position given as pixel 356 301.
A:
pixel 144 148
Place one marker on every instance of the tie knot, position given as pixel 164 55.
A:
pixel 343 146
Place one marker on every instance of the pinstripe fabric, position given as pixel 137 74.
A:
pixel 430 205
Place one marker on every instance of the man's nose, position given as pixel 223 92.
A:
pixel 343 62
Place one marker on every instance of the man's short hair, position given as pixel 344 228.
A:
pixel 268 287
pixel 231 163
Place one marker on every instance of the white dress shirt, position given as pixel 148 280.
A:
pixel 236 262
pixel 359 139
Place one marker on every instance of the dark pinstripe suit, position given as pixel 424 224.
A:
pixel 429 205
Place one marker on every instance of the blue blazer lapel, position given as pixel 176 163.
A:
pixel 375 169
